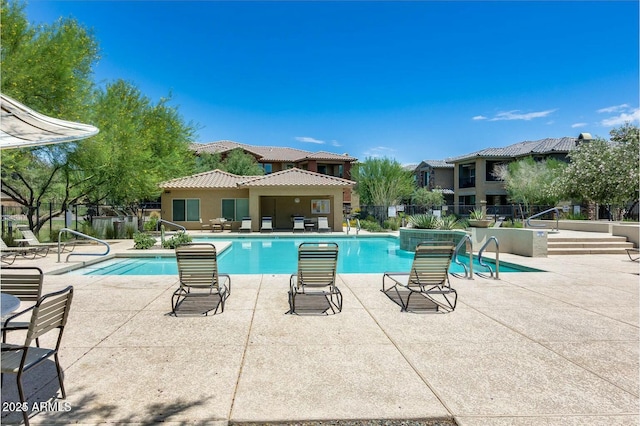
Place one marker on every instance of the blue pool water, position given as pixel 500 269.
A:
pixel 279 256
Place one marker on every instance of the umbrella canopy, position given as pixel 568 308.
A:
pixel 21 126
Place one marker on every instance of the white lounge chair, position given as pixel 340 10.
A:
pixel 323 225
pixel 246 224
pixel 298 224
pixel 267 224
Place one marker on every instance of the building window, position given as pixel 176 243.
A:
pixel 468 201
pixel 288 166
pixel 491 171
pixel 340 170
pixel 322 168
pixel 187 210
pixel 267 167
pixel 426 179
pixel 235 208
pixel 467 178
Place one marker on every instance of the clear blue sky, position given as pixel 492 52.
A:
pixel 407 80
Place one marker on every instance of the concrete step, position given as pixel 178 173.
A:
pixel 603 238
pixel 588 245
pixel 588 250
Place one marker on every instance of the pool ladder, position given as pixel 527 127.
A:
pixel 493 274
pixel 468 269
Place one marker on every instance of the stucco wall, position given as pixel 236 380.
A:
pixel 630 231
pixel 210 203
pixel 523 242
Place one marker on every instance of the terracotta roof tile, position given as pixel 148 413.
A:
pixel 270 153
pixel 522 149
pixel 296 177
pixel 212 179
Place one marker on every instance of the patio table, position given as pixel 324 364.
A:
pixel 9 303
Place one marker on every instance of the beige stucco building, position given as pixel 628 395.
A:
pixel 195 200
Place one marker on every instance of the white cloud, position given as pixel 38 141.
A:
pixel 479 117
pixel 517 115
pixel 335 143
pixel 378 151
pixel 307 139
pixel 576 125
pixel 632 116
pixel 616 108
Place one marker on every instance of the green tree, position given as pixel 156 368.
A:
pixel 606 173
pixel 531 182
pixel 139 145
pixel 428 199
pixel 382 182
pixel 205 162
pixel 240 163
pixel 49 68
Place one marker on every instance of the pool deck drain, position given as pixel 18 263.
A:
pixel 555 347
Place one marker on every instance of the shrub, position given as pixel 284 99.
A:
pixel 176 240
pixel 392 223
pixel 452 222
pixel 130 230
pixel 371 226
pixel 143 241
pixel 476 215
pixel 88 229
pixel 109 232
pixel 425 221
pixel 152 223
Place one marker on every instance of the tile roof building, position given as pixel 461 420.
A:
pixel 193 200
pixel 473 173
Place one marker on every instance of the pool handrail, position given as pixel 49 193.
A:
pixel 80 234
pixel 468 271
pixel 528 220
pixel 481 262
pixel 161 221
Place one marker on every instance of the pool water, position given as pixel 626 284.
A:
pixel 279 256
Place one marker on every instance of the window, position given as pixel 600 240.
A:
pixel 467 200
pixel 187 210
pixel 467 178
pixel 322 168
pixel 491 170
pixel 267 167
pixel 235 208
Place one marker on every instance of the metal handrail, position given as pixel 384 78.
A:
pixel 528 221
pixel 357 226
pixel 346 220
pixel 484 246
pixel 468 271
pixel 180 227
pixel 80 234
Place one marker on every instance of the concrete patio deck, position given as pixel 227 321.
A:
pixel 559 347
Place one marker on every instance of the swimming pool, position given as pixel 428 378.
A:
pixel 278 255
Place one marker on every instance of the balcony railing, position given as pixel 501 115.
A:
pixel 468 182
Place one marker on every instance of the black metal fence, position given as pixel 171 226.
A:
pixel 512 211
pixel 47 218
